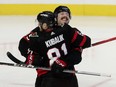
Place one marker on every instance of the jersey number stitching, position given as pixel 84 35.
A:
pixel 56 51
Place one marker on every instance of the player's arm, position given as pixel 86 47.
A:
pixel 87 42
pixel 78 43
pixel 81 40
pixel 24 44
pixel 74 57
pixel 24 47
pixel 32 58
pixel 77 38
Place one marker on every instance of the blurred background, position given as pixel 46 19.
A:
pixel 96 19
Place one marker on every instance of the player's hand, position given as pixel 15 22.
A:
pixel 33 59
pixel 58 66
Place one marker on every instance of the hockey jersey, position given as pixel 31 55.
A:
pixel 61 42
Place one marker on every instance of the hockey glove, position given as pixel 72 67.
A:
pixel 58 66
pixel 33 59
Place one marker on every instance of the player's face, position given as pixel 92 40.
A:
pixel 44 26
pixel 63 17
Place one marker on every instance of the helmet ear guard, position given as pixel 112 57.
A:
pixel 62 9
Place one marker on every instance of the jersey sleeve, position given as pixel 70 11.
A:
pixel 80 40
pixel 24 44
pixel 74 57
pixel 23 47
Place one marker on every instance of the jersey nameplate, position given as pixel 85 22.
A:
pixel 54 40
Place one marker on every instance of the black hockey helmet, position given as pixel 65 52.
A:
pixel 62 9
pixel 46 17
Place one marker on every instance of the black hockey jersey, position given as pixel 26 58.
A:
pixel 62 42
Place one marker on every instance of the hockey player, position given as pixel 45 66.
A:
pixel 63 16
pixel 45 23
pixel 55 47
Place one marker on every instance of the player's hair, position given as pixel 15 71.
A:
pixel 62 9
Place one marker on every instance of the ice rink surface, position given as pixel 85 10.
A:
pixel 99 59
